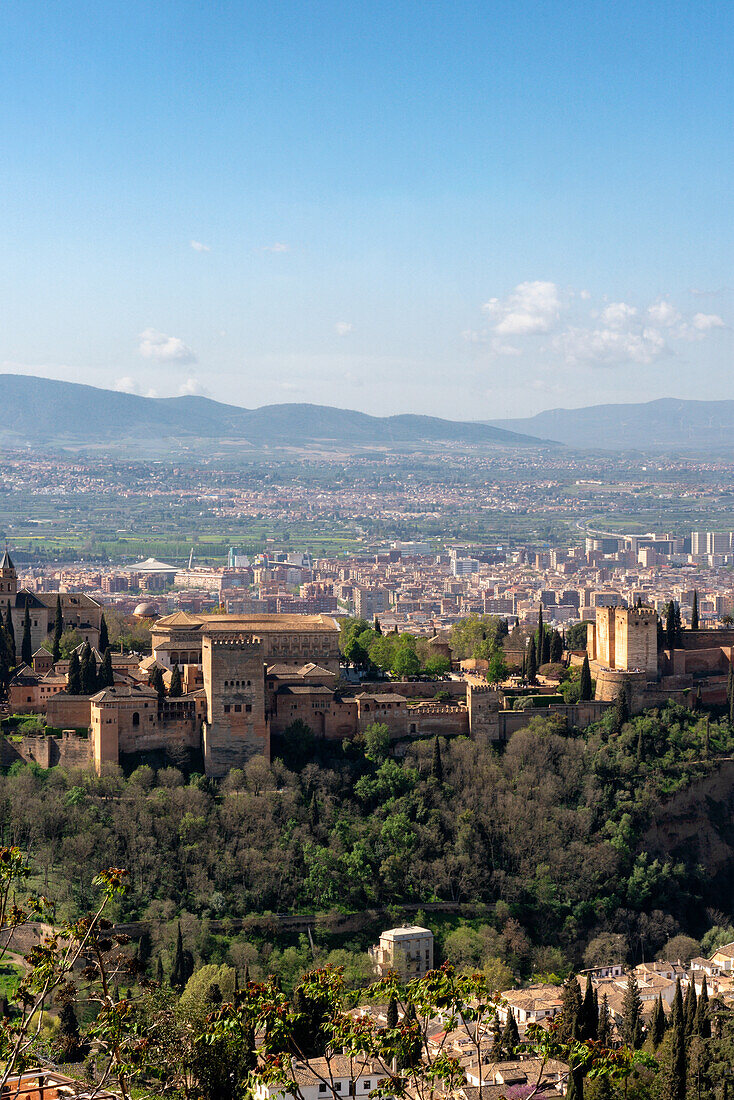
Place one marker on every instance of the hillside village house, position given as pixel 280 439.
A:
pixel 407 950
pixel 332 1078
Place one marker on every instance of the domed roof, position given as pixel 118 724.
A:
pixel 146 611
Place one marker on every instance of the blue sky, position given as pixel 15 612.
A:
pixel 468 209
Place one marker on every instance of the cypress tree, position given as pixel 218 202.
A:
pixel 156 681
pixel 731 705
pixel 58 630
pixel 74 676
pixel 510 1034
pixel 88 666
pixel 570 1016
pixel 678 626
pixel 661 634
pixel 378 628
pixel 159 971
pixel 632 1014
pixel 676 1012
pixel 589 1018
pixel 604 1030
pixel 9 626
pixel 104 637
pixel 106 677
pixel 658 1023
pixel 540 636
pixel 496 1051
pixel 176 688
pixel 69 1037
pixel 698 700
pixel 26 647
pixel 621 710
pixel 556 652
pixel 694 611
pixel 670 625
pixel 690 1004
pixel 532 662
pixel 546 647
pixel 178 970
pixel 392 1013
pixel 677 1067
pixel 585 681
pixel 702 1025
pixel 436 763
pixel 730 691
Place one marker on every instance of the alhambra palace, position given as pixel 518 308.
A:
pixel 247 678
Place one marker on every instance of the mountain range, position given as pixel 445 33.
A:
pixel 666 423
pixel 41 412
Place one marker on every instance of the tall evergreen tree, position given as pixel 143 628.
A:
pixel 585 681
pixel 510 1033
pixel 676 1070
pixel 496 1053
pixel 532 662
pixel 74 675
pixel 9 625
pixel 540 636
pixel 70 1040
pixel 26 647
pixel 690 1004
pixel 156 681
pixel 676 1012
pixel 58 631
pixel 392 1013
pixel 670 625
pixel 106 676
pixel 678 626
pixel 702 1025
pixel 658 1023
pixel 589 1018
pixel 694 611
pixel 570 1016
pixel 176 689
pixel 604 1030
pixel 436 763
pixel 661 634
pixel 178 970
pixel 632 1013
pixel 620 710
pixel 88 665
pixel 556 650
pixel 546 647
pixel 104 637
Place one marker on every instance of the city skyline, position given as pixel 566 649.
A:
pixel 396 209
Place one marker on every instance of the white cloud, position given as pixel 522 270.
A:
pixel 610 346
pixel 343 328
pixel 166 349
pixel 663 314
pixel 618 315
pixel 278 246
pixel 199 247
pixel 192 387
pixel 532 308
pixel 704 322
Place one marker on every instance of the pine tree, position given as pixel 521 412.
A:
pixel 632 1014
pixel 532 662
pixel 604 1030
pixel 74 676
pixel 58 630
pixel 694 611
pixel 106 676
pixel 658 1023
pixel 702 1025
pixel 176 689
pixel 690 1004
pixel 436 763
pixel 585 681
pixel 104 637
pixel 570 1016
pixel 26 646
pixel 392 1013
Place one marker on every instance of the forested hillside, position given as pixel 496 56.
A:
pixel 555 835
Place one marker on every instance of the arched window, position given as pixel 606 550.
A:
pixel 136 718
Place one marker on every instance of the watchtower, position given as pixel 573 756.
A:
pixel 8 578
pixel 234 680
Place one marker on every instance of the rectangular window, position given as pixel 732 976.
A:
pixel 338 1086
pixel 248 708
pixel 227 708
pixel 322 1087
pixel 237 708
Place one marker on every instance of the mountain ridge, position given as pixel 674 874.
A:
pixel 48 412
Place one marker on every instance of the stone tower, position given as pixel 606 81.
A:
pixel 482 702
pixel 236 727
pixel 8 579
pixel 625 638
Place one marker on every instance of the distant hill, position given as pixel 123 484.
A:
pixel 39 412
pixel 667 423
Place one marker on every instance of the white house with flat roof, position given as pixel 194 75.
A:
pixel 407 950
